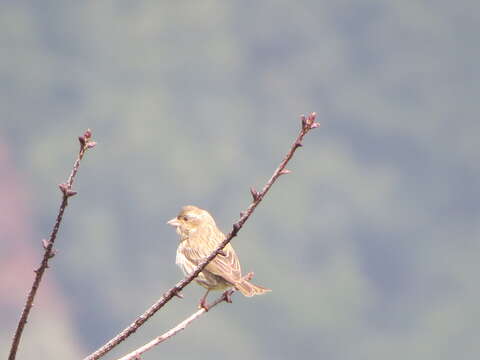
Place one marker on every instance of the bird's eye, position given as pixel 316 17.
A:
pixel 185 218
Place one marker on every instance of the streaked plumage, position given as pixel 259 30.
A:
pixel 199 236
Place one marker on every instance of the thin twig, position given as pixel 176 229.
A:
pixel 173 331
pixel 308 123
pixel 67 192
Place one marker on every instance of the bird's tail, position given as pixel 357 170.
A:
pixel 248 289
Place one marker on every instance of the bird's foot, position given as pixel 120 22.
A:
pixel 227 295
pixel 203 304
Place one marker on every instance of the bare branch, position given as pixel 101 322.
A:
pixel 67 192
pixel 308 123
pixel 173 331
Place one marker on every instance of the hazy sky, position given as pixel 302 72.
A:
pixel 370 245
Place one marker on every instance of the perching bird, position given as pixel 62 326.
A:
pixel 199 237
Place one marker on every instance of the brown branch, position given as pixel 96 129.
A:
pixel 67 192
pixel 173 331
pixel 308 123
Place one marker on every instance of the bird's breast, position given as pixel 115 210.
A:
pixel 182 261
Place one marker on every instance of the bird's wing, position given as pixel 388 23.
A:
pixel 228 266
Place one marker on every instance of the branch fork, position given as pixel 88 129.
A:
pixel 307 123
pixel 255 193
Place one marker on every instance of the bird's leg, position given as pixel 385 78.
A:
pixel 203 301
pixel 227 295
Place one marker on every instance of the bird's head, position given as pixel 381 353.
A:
pixel 190 220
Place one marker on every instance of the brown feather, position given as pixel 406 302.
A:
pixel 199 237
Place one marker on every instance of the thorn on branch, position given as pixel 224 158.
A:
pixel 71 193
pixel 91 144
pixel 236 228
pixel 176 293
pixel 221 252
pixel 242 214
pixel 45 243
pixel 285 172
pixel 298 144
pixel 254 193
pixel 65 189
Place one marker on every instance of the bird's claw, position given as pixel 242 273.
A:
pixel 203 305
pixel 227 295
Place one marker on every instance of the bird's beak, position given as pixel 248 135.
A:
pixel 174 222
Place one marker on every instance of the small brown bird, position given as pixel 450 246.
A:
pixel 199 237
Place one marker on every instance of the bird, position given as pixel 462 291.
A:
pixel 199 237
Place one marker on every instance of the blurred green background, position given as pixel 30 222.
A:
pixel 371 245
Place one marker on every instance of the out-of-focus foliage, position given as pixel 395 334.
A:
pixel 370 245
